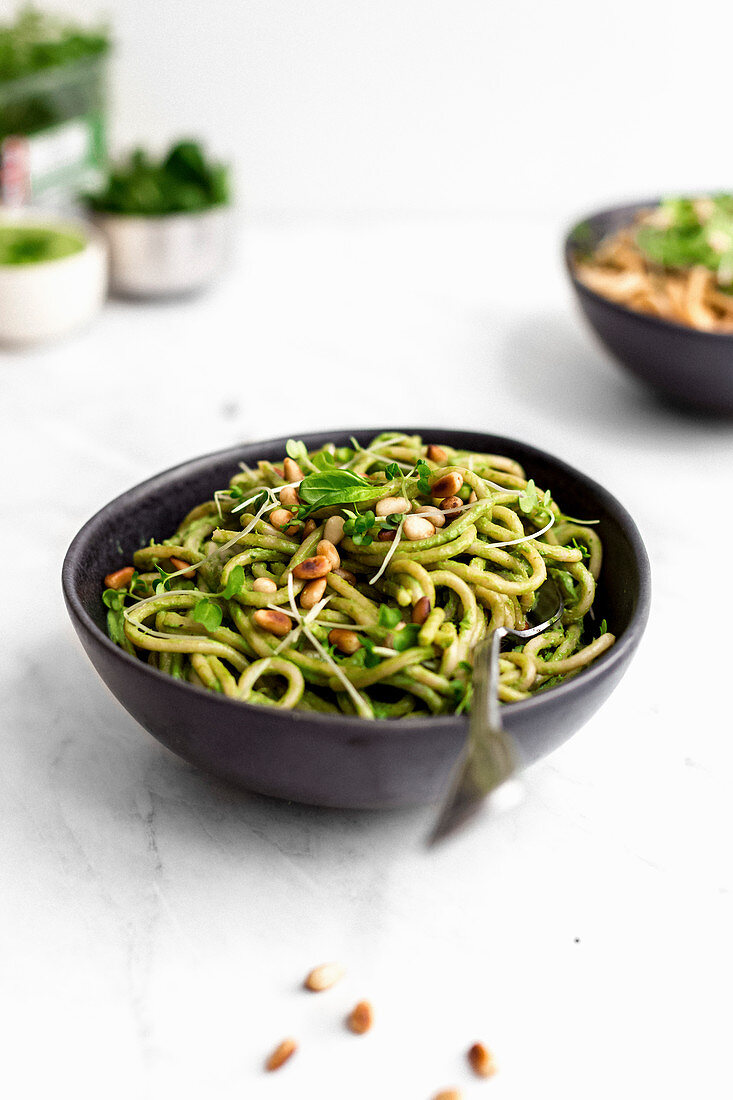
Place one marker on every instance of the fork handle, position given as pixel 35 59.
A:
pixel 493 712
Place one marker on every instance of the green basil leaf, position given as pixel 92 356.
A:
pixel 325 482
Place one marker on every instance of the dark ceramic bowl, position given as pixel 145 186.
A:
pixel 690 366
pixel 323 759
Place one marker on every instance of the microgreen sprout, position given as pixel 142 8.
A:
pixel 389 617
pixel 529 499
pixel 358 526
pixel 231 494
pixel 423 476
pixel 371 659
pixel 135 581
pixel 234 583
pixel 297 450
pixel 164 584
pixel 208 614
pixel 405 638
pixel 584 551
pixel 113 598
pixel 395 519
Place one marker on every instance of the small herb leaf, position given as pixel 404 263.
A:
pixel 405 638
pixel 208 614
pixel 234 583
pixel 389 617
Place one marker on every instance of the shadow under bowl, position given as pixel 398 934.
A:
pixel 324 759
pixel 688 365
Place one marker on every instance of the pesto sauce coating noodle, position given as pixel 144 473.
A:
pixel 478 571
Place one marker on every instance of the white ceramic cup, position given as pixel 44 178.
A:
pixel 45 300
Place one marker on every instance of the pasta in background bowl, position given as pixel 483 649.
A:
pixel 653 280
pixel 321 755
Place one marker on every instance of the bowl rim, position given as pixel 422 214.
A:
pixel 646 318
pixel 617 654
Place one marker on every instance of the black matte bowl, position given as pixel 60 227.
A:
pixel 325 759
pixel 690 366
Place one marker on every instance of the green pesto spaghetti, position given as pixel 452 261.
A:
pixel 359 580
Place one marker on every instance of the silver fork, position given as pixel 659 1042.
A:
pixel 490 756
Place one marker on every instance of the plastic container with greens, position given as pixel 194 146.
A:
pixel 52 107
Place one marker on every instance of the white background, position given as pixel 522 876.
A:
pixel 439 106
pixel 155 924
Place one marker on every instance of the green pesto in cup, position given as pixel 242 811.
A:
pixel 34 244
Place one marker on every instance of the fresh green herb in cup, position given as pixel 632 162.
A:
pixel 183 181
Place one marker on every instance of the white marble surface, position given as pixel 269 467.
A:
pixel 155 924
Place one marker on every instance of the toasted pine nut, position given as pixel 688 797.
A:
pixel 180 564
pixel 447 485
pixel 334 529
pixel 449 1094
pixel 345 574
pixel 312 593
pixel 120 578
pixel 387 534
pixel 310 568
pixel 390 506
pixel 472 497
pixel 436 517
pixel 436 453
pixel 451 507
pixel 264 584
pixel 361 1018
pixel 291 470
pixel 324 976
pixel 481 1060
pixel 308 528
pixel 284 1050
pixel 345 640
pixel 415 527
pixel 273 621
pixel 289 496
pixel 328 550
pixel 421 610
pixel 280 518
